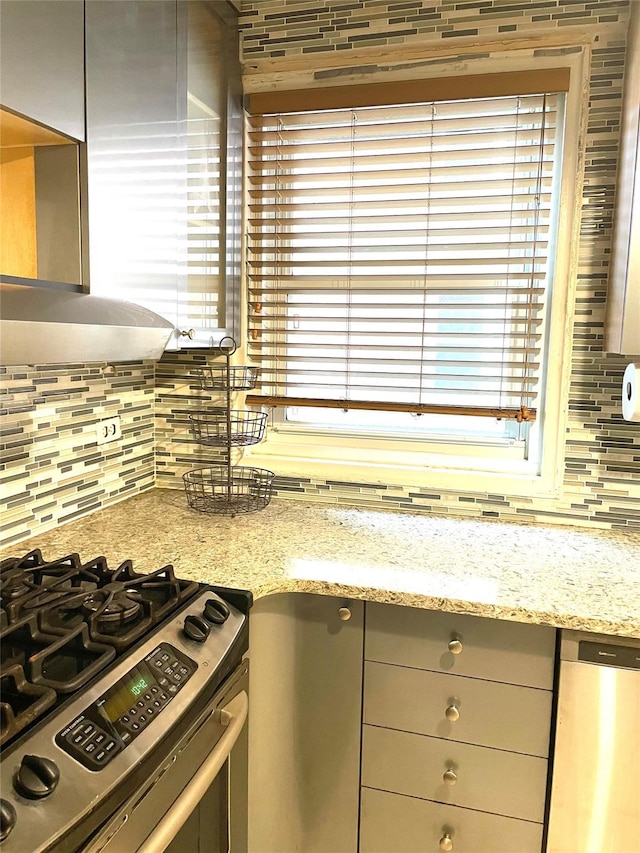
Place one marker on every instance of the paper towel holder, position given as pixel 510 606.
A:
pixel 631 393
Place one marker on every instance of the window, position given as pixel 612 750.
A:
pixel 401 257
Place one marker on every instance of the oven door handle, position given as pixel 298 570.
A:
pixel 233 716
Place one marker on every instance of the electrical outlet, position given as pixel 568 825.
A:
pixel 108 430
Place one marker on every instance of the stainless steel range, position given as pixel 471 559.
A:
pixel 111 678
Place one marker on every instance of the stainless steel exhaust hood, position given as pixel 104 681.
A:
pixel 47 326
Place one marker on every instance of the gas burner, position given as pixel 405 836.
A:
pixel 14 584
pixel 120 607
pixel 65 663
pixel 21 702
pixel 36 570
pixel 29 583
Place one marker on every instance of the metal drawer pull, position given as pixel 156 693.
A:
pixel 449 777
pixel 344 613
pixel 188 333
pixel 455 645
pixel 452 713
pixel 445 842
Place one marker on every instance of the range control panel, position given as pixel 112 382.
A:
pixel 114 720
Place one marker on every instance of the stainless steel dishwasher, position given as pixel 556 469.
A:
pixel 595 793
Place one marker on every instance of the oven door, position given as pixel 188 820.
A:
pixel 184 805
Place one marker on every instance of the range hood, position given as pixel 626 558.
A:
pixel 46 326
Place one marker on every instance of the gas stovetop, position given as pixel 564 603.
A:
pixel 102 671
pixel 62 622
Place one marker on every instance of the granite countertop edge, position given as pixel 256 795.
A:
pixel 577 578
pixel 580 622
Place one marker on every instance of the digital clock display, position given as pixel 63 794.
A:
pixel 138 686
pixel 126 692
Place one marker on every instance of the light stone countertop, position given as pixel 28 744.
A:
pixel 578 578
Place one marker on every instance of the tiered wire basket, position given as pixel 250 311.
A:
pixel 228 427
pixel 227 378
pixel 226 489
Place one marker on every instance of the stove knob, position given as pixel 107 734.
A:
pixel 216 611
pixel 7 818
pixel 37 777
pixel 196 628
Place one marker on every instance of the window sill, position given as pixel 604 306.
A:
pixel 346 460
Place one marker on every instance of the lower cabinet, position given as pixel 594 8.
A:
pixel 456 732
pixel 460 774
pixel 391 823
pixel 458 708
pixel 305 699
pixel 383 729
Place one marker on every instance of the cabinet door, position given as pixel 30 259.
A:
pixel 42 62
pixel 136 159
pixel 212 124
pixel 164 133
pixel 304 729
pixel 622 331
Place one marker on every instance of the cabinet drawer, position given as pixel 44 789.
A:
pixel 489 780
pixel 490 714
pixel 499 651
pixel 391 823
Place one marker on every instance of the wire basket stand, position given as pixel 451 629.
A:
pixel 217 429
pixel 226 489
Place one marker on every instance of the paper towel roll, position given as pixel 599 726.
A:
pixel 631 393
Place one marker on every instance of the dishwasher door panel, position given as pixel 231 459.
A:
pixel 595 796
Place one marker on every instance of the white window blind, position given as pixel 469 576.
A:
pixel 399 256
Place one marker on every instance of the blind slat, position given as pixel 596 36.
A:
pixel 346 281
pixel 337 143
pixel 337 154
pixel 307 240
pixel 257 293
pixel 364 262
pixel 270 226
pixel 313 193
pixel 266 356
pixel 416 204
pixel 299 179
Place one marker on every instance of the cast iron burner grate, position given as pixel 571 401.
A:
pixel 64 621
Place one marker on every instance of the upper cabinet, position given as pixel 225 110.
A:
pixel 208 307
pixel 42 127
pixel 623 303
pixel 134 160
pixel 164 148
pixel 42 62
pixel 41 241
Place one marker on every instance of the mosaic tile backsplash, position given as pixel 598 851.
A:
pixel 52 472
pixel 277 28
pixel 51 468
pixel 179 395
